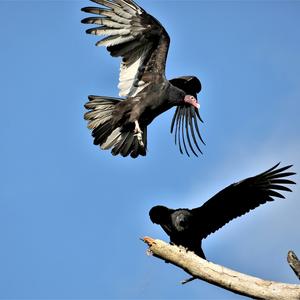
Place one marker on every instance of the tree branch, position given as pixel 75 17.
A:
pixel 294 263
pixel 220 276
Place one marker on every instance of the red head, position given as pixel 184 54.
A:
pixel 192 101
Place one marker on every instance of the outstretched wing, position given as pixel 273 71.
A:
pixel 186 117
pixel 134 35
pixel 239 198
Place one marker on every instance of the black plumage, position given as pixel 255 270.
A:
pixel 142 43
pixel 187 227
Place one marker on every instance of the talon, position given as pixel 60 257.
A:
pixel 139 137
pixel 138 133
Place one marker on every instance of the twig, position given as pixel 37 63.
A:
pixel 188 280
pixel 294 263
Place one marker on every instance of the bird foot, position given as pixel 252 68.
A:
pixel 138 133
pixel 139 137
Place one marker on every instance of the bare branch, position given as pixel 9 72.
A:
pixel 294 263
pixel 233 281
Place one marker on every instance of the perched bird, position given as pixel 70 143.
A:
pixel 142 43
pixel 187 227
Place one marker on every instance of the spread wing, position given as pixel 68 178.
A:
pixel 239 198
pixel 134 35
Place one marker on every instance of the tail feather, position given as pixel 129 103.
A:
pixel 101 133
pixel 112 139
pixel 117 149
pixel 128 143
pixel 106 134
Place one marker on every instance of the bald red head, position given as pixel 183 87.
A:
pixel 192 101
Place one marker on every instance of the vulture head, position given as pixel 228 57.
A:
pixel 191 100
pixel 159 214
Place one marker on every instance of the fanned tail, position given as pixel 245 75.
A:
pixel 121 139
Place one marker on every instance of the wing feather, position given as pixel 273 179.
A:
pixel 239 198
pixel 135 36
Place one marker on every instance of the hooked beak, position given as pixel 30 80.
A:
pixel 192 101
pixel 197 105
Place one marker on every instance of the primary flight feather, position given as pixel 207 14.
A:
pixel 187 227
pixel 142 43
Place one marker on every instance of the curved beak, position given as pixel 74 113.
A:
pixel 197 105
pixel 192 101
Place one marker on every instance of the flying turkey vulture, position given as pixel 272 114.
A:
pixel 187 227
pixel 142 43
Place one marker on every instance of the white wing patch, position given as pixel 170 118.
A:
pixel 112 40
pixel 127 77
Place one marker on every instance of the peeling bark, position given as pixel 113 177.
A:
pixel 233 281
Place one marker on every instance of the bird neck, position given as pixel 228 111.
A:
pixel 176 96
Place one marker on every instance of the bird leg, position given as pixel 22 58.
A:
pixel 138 133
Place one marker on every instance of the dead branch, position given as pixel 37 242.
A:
pixel 233 281
pixel 294 263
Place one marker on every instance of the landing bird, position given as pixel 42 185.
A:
pixel 142 43
pixel 187 227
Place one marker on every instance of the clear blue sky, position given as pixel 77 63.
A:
pixel 71 215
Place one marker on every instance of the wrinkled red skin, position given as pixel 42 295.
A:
pixel 192 101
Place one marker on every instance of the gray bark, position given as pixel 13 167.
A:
pixel 233 281
pixel 294 263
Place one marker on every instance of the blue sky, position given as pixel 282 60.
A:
pixel 71 215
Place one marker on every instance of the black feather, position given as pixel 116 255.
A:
pixel 182 130
pixel 187 227
pixel 187 116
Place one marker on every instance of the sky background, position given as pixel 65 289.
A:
pixel 71 215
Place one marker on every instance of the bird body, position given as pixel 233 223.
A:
pixel 142 43
pixel 188 227
pixel 163 97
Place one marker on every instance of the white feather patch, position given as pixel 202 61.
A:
pixel 129 6
pixel 115 40
pixel 109 31
pixel 95 123
pixel 115 17
pixel 138 89
pixel 126 6
pixel 127 76
pixel 97 114
pixel 109 23
pixel 122 13
pixel 112 139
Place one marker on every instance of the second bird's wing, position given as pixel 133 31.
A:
pixel 239 198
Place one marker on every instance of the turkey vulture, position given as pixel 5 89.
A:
pixel 142 43
pixel 187 227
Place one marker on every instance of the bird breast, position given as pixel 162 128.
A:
pixel 181 221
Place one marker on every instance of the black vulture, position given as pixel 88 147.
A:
pixel 142 43
pixel 187 227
